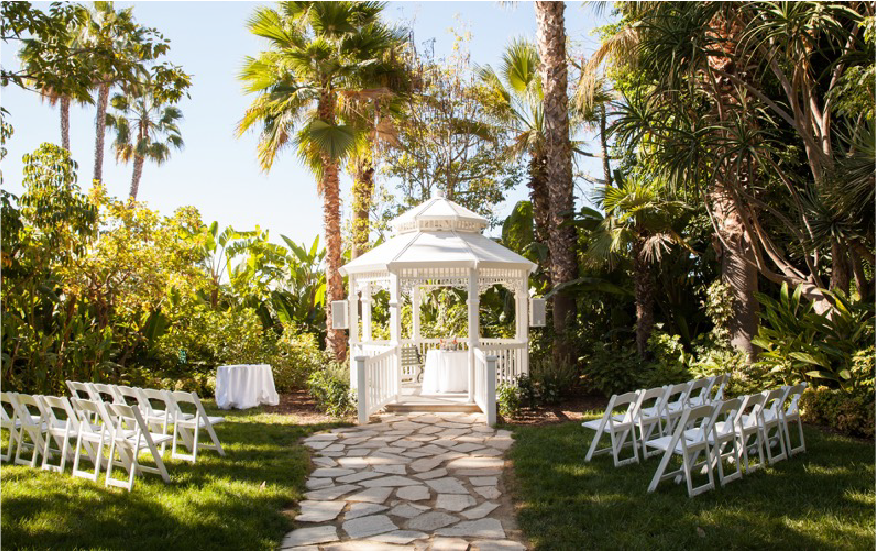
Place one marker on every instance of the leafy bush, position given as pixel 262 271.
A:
pixel 509 401
pixel 330 387
pixel 851 414
pixel 671 361
pixel 296 357
pixel 612 370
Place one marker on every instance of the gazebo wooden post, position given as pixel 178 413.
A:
pixel 353 326
pixel 366 313
pixel 395 320
pixel 521 322
pixel 474 327
pixel 415 316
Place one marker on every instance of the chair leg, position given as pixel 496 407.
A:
pixel 593 445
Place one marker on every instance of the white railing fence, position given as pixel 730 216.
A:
pixel 512 360
pixel 378 381
pixel 484 391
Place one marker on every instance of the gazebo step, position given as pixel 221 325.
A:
pixel 423 406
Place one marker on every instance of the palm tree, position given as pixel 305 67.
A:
pixel 104 27
pixel 316 50
pixel 638 222
pixel 146 129
pixel 551 40
pixel 515 98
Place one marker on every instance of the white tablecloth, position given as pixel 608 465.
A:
pixel 245 386
pixel 446 371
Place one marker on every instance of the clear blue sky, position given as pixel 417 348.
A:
pixel 218 173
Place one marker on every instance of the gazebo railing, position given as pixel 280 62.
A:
pixel 512 360
pixel 484 392
pixel 378 381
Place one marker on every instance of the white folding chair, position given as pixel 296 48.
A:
pixel 648 408
pixel 614 424
pixel 78 390
pixel 9 421
pixel 790 414
pixel 97 434
pixel 31 423
pixel 700 392
pixel 102 392
pixel 674 403
pixel 187 429
pixel 771 424
pixel 748 430
pixel 716 392
pixel 163 417
pixel 721 433
pixel 689 440
pixel 61 430
pixel 130 436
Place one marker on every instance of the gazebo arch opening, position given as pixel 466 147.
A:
pixel 436 268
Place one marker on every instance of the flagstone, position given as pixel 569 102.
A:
pixel 476 480
pixel 363 527
pixel 413 493
pixel 447 485
pixel 391 480
pixel 488 492
pixel 357 477
pixel 453 502
pixel 319 511
pixel 437 473
pixel 390 469
pixel 400 536
pixel 483 528
pixel 363 510
pixel 331 471
pixel 331 492
pixel 480 511
pixel 317 483
pixel 430 521
pixel 307 536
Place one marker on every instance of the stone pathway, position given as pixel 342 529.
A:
pixel 420 482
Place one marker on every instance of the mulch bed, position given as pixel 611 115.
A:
pixel 571 409
pixel 300 404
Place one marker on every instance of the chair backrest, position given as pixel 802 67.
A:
pixel 773 402
pixel 102 392
pixel 150 395
pixel 626 403
pixel 651 397
pixel 410 356
pixel 86 409
pixel 78 390
pixel 791 403
pixel 676 394
pixel 697 419
pixel 125 417
pixel 750 411
pixel 700 389
pixel 28 408
pixel 8 409
pixel 130 396
pixel 726 412
pixel 53 405
pixel 717 389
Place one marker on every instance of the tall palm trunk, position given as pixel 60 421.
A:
pixel 644 290
pixel 65 123
pixel 539 195
pixel 551 37
pixel 335 341
pixel 363 188
pixel 138 164
pixel 603 142
pixel 839 275
pixel 100 130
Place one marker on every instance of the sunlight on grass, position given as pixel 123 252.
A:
pixel 219 502
pixel 822 499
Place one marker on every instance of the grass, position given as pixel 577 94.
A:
pixel 231 502
pixel 821 499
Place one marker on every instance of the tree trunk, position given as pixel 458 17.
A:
pixel 551 37
pixel 863 286
pixel 363 188
pixel 603 142
pixel 737 270
pixel 65 123
pixel 644 289
pixel 335 341
pixel 100 130
pixel 135 178
pixel 839 273
pixel 538 194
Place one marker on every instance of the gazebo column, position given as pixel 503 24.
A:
pixel 366 313
pixel 521 322
pixel 395 321
pixel 474 327
pixel 353 327
pixel 415 316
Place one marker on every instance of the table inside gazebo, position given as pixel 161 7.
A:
pixel 445 371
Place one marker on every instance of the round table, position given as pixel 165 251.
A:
pixel 446 371
pixel 245 386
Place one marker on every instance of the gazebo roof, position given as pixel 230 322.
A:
pixel 437 234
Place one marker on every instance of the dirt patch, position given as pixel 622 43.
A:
pixel 302 406
pixel 571 409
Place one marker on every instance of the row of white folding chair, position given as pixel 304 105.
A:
pixel 751 423
pixel 186 426
pixel 47 419
pixel 657 408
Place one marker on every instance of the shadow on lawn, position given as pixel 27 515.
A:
pixel 822 499
pixel 231 502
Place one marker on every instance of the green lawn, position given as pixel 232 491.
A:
pixel 822 499
pixel 217 503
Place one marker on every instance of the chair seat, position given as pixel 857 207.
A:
pixel 724 428
pixel 190 423
pixel 157 439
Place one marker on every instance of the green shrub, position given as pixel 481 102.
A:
pixel 851 414
pixel 330 388
pixel 671 361
pixel 509 401
pixel 295 358
pixel 611 370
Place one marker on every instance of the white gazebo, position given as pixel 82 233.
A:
pixel 436 244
